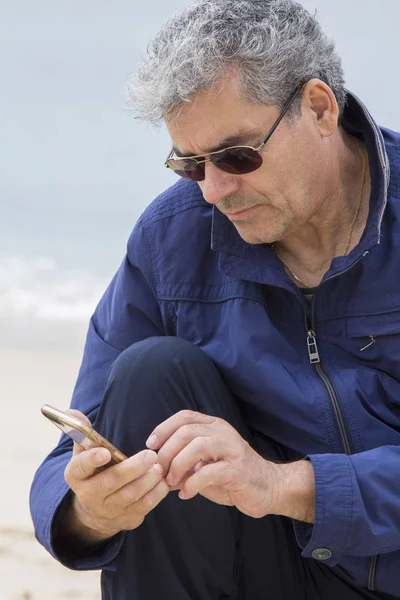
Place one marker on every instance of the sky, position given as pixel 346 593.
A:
pixel 77 169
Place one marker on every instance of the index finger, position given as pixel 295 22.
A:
pixel 79 415
pixel 164 431
pixel 85 464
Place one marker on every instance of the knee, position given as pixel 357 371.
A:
pixel 150 381
pixel 157 356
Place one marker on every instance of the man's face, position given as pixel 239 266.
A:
pixel 275 200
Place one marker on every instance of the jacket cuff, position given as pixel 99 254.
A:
pixel 327 539
pixel 100 557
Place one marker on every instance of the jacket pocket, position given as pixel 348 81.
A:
pixel 375 341
pixel 378 325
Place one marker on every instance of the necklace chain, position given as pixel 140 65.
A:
pixel 351 226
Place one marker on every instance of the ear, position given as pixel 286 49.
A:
pixel 320 103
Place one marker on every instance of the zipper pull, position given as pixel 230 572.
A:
pixel 312 347
pixel 372 338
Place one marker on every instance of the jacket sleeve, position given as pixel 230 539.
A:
pixel 128 312
pixel 357 505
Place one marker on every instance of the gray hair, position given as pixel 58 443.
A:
pixel 275 45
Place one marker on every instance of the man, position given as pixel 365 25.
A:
pixel 250 337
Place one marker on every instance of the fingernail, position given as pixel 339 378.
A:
pixel 152 441
pixel 101 456
pixel 158 469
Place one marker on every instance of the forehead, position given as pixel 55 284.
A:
pixel 217 119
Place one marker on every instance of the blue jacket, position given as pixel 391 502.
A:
pixel 187 273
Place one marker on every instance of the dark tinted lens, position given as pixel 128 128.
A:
pixel 189 169
pixel 237 161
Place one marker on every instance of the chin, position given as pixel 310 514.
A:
pixel 255 237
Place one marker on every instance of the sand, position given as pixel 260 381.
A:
pixel 29 378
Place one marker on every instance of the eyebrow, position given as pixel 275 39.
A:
pixel 239 139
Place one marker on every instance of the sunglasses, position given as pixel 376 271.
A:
pixel 237 160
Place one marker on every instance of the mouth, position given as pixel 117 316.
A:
pixel 240 214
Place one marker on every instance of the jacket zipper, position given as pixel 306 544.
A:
pixel 313 354
pixel 314 357
pixel 372 573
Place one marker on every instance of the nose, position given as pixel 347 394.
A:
pixel 218 185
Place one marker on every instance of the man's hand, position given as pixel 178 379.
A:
pixel 207 456
pixel 108 501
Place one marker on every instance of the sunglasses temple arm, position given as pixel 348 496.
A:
pixel 170 155
pixel 283 113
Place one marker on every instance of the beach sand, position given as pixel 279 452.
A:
pixel 30 378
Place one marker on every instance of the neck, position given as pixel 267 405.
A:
pixel 338 223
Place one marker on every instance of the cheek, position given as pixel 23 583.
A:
pixel 276 177
pixel 294 184
pixel 282 183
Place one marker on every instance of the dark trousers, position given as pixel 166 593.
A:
pixel 196 549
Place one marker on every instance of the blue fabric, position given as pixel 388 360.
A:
pixel 187 273
pixel 196 550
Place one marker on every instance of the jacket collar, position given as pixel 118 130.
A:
pixel 257 262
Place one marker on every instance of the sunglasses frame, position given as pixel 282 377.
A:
pixel 207 157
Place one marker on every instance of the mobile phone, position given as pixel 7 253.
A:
pixel 81 433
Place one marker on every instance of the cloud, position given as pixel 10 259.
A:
pixel 38 288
